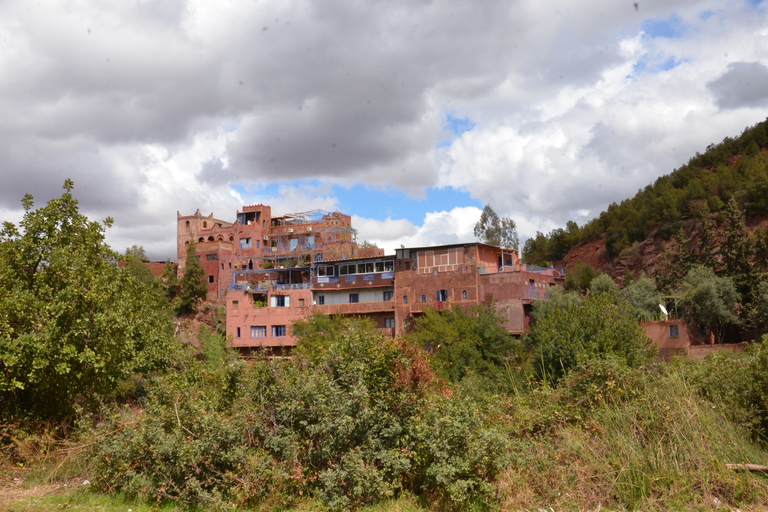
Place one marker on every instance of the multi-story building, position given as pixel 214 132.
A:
pixel 258 241
pixel 389 290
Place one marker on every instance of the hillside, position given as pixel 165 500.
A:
pixel 633 234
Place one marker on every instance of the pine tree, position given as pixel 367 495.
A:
pixel 707 240
pixel 737 251
pixel 193 284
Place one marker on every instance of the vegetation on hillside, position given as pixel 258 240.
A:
pixel 737 168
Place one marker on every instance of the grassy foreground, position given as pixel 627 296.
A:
pixel 348 433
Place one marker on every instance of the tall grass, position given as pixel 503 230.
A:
pixel 660 447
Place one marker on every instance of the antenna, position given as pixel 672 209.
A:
pixel 664 310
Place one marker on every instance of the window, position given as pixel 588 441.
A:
pixel 423 298
pixel 379 266
pixel 235 304
pixel 673 331
pixel 222 266
pixel 389 266
pixel 258 331
pixel 245 243
pixel 464 294
pixel 187 223
pixel 301 303
pixel 442 295
pixel 210 279
pixel 389 323
pixel 388 295
pixel 281 301
pixel 201 240
pixel 354 298
pixel 238 333
pixel 405 299
pixel 278 331
pixel 205 224
pixel 325 270
pixel 320 300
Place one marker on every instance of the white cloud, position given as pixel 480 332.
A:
pixel 153 107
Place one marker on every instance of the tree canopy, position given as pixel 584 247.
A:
pixel 494 230
pixel 71 322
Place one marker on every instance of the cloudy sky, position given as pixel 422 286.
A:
pixel 410 116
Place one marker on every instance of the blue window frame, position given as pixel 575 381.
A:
pixel 258 331
pixel 278 331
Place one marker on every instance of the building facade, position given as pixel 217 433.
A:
pixel 391 291
pixel 258 241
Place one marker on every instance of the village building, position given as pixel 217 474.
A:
pixel 274 271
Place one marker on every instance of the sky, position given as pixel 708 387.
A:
pixel 410 116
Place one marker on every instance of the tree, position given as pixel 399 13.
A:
pixel 170 281
pixel 465 343
pixel 603 284
pixel 134 264
pixel 72 324
pixel 707 239
pixel 193 285
pixel 710 300
pixel 574 331
pixel 580 277
pixel 495 230
pixel 644 297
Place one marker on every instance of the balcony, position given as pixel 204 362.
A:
pixel 534 294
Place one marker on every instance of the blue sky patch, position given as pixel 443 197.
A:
pixel 380 204
pixel 368 202
pixel 455 126
pixel 672 27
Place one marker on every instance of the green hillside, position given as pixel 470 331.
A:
pixel 736 168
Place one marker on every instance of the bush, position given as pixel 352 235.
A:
pixel 355 422
pixel 573 332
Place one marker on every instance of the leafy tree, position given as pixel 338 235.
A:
pixel 644 297
pixel 603 284
pixel 596 327
pixel 495 230
pixel 134 264
pixel 193 285
pixel 72 324
pixel 710 300
pixel 580 277
pixel 465 343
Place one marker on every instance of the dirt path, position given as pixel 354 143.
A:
pixel 16 496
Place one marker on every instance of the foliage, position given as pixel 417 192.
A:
pixel 468 343
pixel 353 423
pixel 710 300
pixel 737 382
pixel 134 264
pixel 599 326
pixel 580 277
pixel 611 437
pixel 170 281
pixel 68 314
pixel 193 285
pixel 603 284
pixel 644 297
pixel 737 167
pixel 494 230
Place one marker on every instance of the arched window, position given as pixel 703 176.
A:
pixel 205 224
pixel 231 238
pixel 423 298
pixel 187 223
pixel 201 240
pixel 186 243
pixel 405 299
pixel 210 238
pixel 220 239
pixel 464 294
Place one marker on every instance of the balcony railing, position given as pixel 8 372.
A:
pixel 534 294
